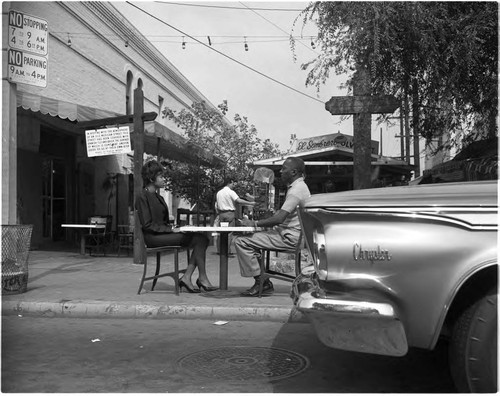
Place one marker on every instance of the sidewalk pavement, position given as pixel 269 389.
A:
pixel 67 284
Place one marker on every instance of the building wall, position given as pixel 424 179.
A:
pixel 90 71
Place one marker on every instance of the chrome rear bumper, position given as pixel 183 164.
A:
pixel 352 325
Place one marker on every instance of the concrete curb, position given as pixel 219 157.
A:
pixel 113 309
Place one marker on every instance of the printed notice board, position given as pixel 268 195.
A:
pixel 108 141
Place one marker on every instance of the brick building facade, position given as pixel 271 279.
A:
pixel 95 60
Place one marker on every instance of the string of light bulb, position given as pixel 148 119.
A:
pixel 211 40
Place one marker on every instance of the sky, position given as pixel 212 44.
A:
pixel 265 83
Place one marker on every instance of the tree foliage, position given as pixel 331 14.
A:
pixel 237 145
pixel 440 57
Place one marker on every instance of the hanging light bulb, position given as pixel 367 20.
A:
pixel 313 46
pixel 69 41
pixel 126 43
pixel 183 43
pixel 246 45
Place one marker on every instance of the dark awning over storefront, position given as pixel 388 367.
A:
pixel 161 141
pixel 330 157
pixel 158 139
pixel 331 168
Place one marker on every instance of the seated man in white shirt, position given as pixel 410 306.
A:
pixel 283 232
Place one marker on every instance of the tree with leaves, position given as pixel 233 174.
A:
pixel 439 58
pixel 236 144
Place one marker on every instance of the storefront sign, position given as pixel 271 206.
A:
pixel 108 141
pixel 335 140
pixel 28 49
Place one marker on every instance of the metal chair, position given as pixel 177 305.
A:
pixel 265 260
pixel 158 251
pixel 173 274
pixel 125 238
pixel 102 238
pixel 202 217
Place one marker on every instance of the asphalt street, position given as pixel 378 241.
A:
pixel 200 356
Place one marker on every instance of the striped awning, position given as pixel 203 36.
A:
pixel 60 108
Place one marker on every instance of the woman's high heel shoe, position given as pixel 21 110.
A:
pixel 206 288
pixel 190 290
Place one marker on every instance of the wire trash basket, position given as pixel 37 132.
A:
pixel 16 243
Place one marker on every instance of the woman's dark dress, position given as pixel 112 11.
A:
pixel 154 218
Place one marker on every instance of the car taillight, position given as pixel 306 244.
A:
pixel 319 254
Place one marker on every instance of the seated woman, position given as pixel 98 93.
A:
pixel 154 217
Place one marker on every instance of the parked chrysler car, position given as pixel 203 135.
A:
pixel 402 267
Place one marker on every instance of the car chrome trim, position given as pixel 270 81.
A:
pixel 439 215
pixel 308 302
pixel 354 325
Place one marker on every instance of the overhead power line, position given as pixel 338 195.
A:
pixel 230 8
pixel 226 56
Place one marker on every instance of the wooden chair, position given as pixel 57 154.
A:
pixel 98 239
pixel 265 260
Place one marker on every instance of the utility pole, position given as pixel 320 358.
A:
pixel 407 131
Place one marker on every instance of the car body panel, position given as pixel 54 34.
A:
pixel 410 248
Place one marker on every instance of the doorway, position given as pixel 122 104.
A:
pixel 58 181
pixel 53 198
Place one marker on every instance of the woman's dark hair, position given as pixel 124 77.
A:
pixel 150 170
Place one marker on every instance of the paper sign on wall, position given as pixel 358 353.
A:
pixel 108 141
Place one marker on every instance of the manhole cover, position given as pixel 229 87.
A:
pixel 244 363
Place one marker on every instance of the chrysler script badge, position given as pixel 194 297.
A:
pixel 374 254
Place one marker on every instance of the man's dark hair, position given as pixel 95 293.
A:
pixel 229 180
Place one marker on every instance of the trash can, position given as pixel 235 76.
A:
pixel 16 242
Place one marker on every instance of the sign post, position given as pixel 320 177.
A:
pixel 362 106
pixel 138 118
pixel 139 249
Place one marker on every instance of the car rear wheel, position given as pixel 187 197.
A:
pixel 473 348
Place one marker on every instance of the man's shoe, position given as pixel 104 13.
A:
pixel 267 290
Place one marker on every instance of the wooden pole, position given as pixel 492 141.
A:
pixel 407 131
pixel 416 132
pixel 381 144
pixel 362 134
pixel 401 133
pixel 139 250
